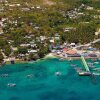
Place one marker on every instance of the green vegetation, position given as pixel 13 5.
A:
pixel 1 57
pixel 45 18
pixel 43 50
pixel 97 45
pixel 22 50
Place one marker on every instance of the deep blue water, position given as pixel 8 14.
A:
pixel 43 84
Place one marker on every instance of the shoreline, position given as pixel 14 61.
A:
pixel 49 55
pixel 73 58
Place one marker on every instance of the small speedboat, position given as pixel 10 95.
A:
pixel 4 75
pixel 78 69
pixel 57 73
pixel 97 74
pixel 29 76
pixel 96 62
pixel 11 84
pixel 96 69
pixel 73 65
pixel 91 65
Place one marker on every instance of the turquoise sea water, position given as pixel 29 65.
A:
pixel 42 83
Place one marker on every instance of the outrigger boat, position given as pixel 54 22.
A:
pixel 82 73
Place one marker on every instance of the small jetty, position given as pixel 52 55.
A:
pixel 85 64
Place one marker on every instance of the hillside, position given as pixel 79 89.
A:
pixel 22 22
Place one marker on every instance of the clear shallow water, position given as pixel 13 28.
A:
pixel 45 85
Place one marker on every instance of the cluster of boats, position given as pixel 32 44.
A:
pixel 82 73
pixel 14 84
pixel 93 69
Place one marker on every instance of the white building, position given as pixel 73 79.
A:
pixel 89 8
pixel 32 51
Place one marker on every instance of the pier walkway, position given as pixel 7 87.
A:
pixel 85 64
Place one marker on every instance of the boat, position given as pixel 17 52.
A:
pixel 11 84
pixel 78 69
pixel 97 74
pixel 90 63
pixel 73 65
pixel 96 62
pixel 84 73
pixel 12 62
pixel 94 59
pixel 91 66
pixel 4 75
pixel 29 76
pixel 96 69
pixel 57 73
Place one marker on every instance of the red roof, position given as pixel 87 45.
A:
pixel 65 49
pixel 71 52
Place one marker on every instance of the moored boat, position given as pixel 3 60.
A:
pixel 84 73
pixel 11 84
